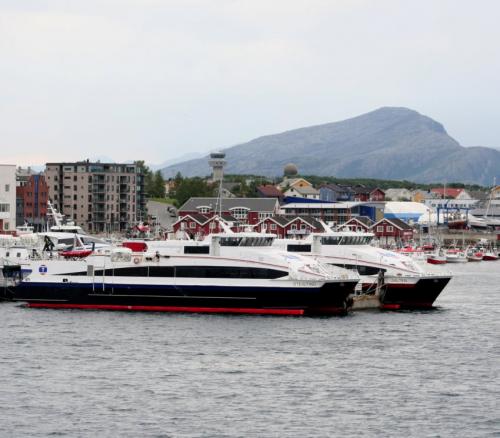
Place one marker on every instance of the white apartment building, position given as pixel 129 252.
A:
pixel 7 197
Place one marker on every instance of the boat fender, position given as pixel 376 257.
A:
pixel 137 260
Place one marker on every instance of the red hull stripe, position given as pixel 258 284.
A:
pixel 407 306
pixel 391 306
pixel 169 308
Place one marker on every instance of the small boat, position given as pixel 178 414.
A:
pixel 490 256
pixel 454 255
pixel 436 259
pixel 475 256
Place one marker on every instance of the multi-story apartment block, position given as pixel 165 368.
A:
pixel 100 197
pixel 7 198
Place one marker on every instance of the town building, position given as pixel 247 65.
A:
pixel 422 195
pixel 31 200
pixel 7 198
pixel 305 192
pixel 100 197
pixel 390 231
pixel 359 223
pixel 293 182
pixel 269 191
pixel 331 213
pixel 169 186
pixel 450 193
pixel 246 211
pixel 335 193
pixel 289 227
pixel 365 194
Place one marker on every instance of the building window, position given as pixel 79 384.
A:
pixel 192 224
pixel 380 228
pixel 239 213
pixel 273 227
pixel 205 210
pixel 390 228
pixel 7 187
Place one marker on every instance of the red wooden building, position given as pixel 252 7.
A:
pixel 246 211
pixel 359 223
pixel 289 227
pixel 366 194
pixel 199 225
pixel 392 230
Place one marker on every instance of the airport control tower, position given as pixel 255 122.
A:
pixel 217 163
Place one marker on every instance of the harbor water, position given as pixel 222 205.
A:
pixel 97 373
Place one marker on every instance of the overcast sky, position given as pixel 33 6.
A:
pixel 155 79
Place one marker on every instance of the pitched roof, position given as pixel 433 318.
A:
pixel 305 190
pixel 338 188
pixel 361 189
pixel 448 192
pixel 285 220
pixel 228 218
pixel 253 204
pixel 269 191
pixel 365 220
pixel 311 221
pixel 398 223
pixel 200 218
pixel 291 181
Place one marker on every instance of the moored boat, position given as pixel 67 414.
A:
pixel 436 259
pixel 227 274
pixel 405 285
pixel 454 255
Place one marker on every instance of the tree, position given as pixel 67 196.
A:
pixel 154 183
pixel 158 185
pixel 191 187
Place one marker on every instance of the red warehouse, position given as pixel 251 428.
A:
pixel 392 230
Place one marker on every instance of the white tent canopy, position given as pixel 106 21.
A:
pixel 410 212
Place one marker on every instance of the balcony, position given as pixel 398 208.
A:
pixel 99 188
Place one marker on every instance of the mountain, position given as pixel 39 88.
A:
pixel 388 143
pixel 179 159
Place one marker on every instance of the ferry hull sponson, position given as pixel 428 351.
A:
pixel 330 298
pixel 420 294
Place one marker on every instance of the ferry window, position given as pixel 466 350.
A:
pixel 333 240
pixel 298 248
pixel 196 250
pixel 230 241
